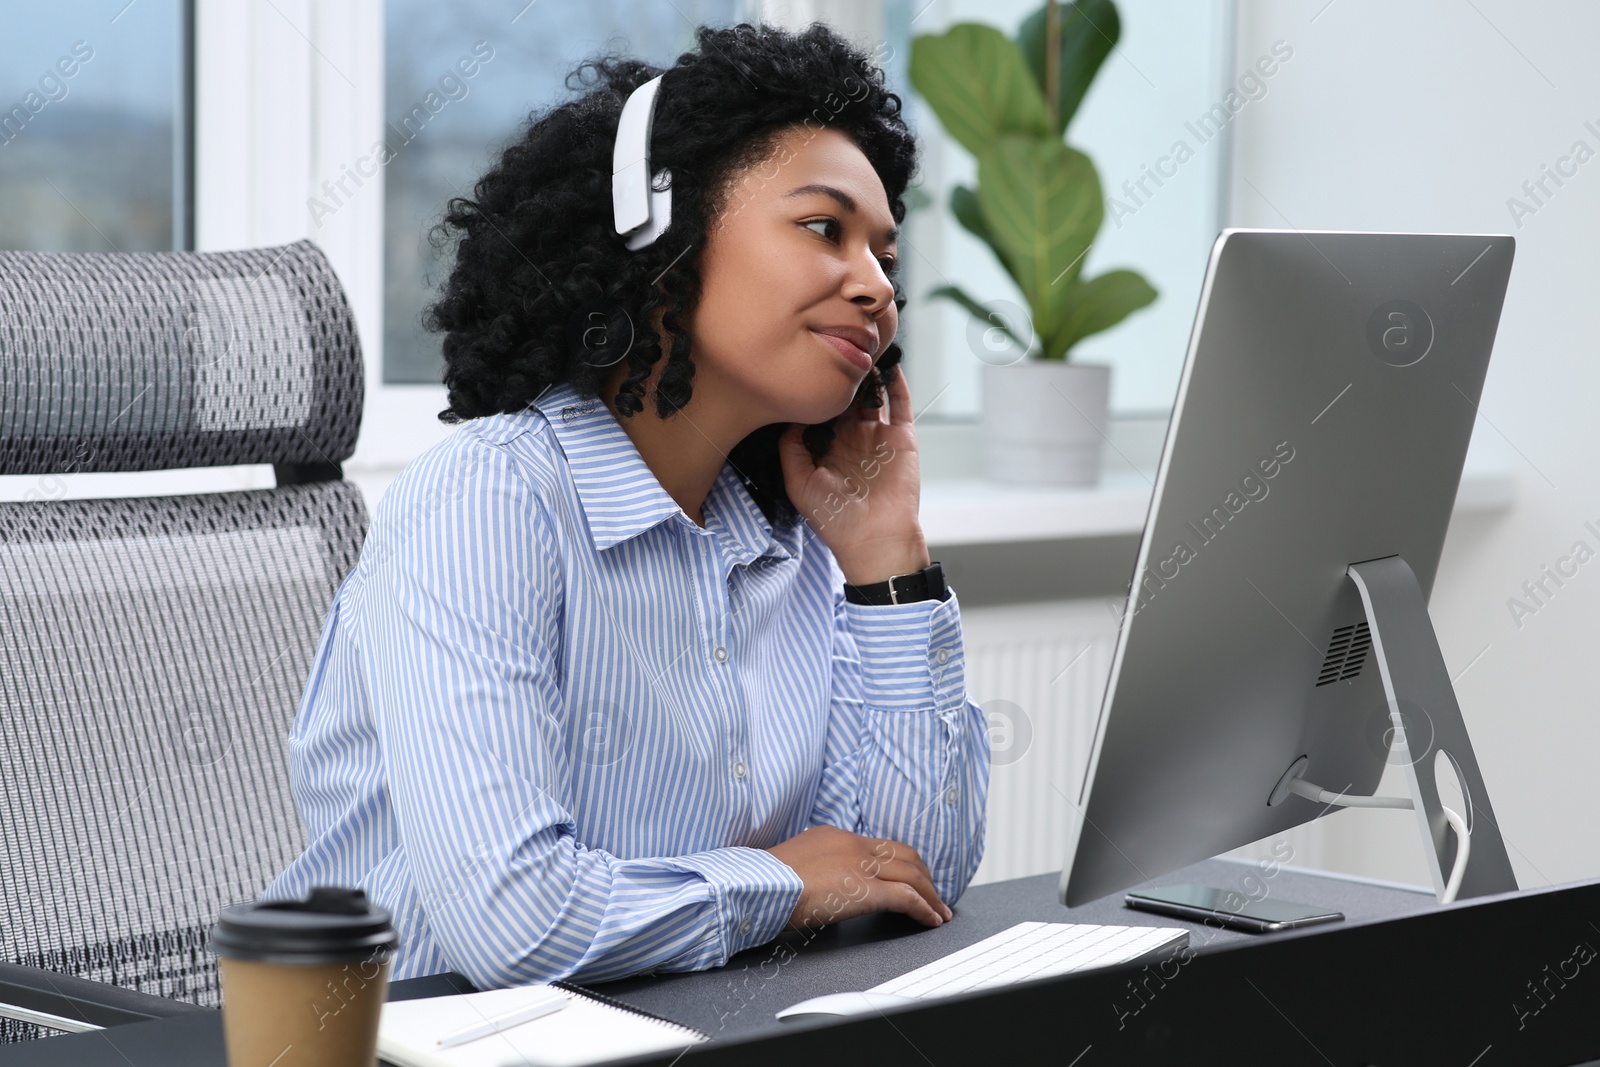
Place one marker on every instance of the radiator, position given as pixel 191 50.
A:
pixel 1039 671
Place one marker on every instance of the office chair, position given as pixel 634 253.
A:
pixel 153 650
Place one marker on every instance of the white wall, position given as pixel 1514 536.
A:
pixel 1428 115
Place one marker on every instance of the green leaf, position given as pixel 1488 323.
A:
pixel 1041 201
pixel 978 84
pixel 978 311
pixel 1089 31
pixel 915 198
pixel 1088 307
pixel 967 211
pixel 964 206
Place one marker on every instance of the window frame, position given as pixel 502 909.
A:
pixel 290 92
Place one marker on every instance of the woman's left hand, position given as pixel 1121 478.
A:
pixel 862 498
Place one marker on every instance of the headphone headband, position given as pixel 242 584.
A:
pixel 641 200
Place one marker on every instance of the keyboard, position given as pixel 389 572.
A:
pixel 1034 950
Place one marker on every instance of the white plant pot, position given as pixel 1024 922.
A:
pixel 1044 421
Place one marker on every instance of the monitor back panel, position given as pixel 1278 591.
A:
pixel 1322 418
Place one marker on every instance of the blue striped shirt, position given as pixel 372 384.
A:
pixel 552 723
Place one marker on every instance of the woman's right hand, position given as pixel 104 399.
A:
pixel 846 875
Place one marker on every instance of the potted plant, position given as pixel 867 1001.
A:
pixel 1038 206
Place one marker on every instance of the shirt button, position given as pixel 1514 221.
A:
pixel 738 768
pixel 952 794
pixel 943 656
pixel 746 926
pixel 721 654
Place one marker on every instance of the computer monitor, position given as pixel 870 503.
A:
pixel 1276 627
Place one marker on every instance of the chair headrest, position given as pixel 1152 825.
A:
pixel 159 360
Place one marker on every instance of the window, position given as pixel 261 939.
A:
pixel 445 126
pixel 1172 68
pixel 95 151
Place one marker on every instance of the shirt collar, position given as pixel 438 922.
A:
pixel 621 495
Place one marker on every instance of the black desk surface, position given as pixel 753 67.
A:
pixel 740 998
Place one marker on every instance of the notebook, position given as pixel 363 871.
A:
pixel 590 1029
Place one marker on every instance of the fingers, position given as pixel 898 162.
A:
pixel 899 862
pixel 846 874
pixel 790 438
pixel 917 877
pixel 793 457
pixel 904 898
pixel 885 849
pixel 899 400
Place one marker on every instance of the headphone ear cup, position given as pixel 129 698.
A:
pixel 660 212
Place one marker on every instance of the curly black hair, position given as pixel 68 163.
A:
pixel 537 257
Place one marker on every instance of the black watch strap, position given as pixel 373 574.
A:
pixel 926 584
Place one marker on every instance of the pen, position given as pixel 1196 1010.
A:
pixel 504 1021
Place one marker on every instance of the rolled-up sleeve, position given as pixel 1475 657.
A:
pixel 907 751
pixel 460 649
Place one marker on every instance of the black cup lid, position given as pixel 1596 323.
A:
pixel 327 925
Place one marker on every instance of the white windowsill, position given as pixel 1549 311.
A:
pixel 962 507
pixel 975 511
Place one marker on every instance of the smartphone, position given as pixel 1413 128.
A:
pixel 1220 907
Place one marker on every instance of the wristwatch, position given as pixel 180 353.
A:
pixel 926 584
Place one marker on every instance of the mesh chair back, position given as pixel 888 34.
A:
pixel 153 650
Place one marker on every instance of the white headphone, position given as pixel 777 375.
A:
pixel 641 201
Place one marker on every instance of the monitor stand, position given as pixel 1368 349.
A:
pixel 1422 702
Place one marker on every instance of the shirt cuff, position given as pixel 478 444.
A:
pixel 912 655
pixel 755 893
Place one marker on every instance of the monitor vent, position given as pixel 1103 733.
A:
pixel 1347 654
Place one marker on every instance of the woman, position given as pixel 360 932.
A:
pixel 593 701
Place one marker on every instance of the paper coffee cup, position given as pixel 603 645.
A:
pixel 304 981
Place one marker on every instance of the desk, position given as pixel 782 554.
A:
pixel 1417 983
pixel 740 998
